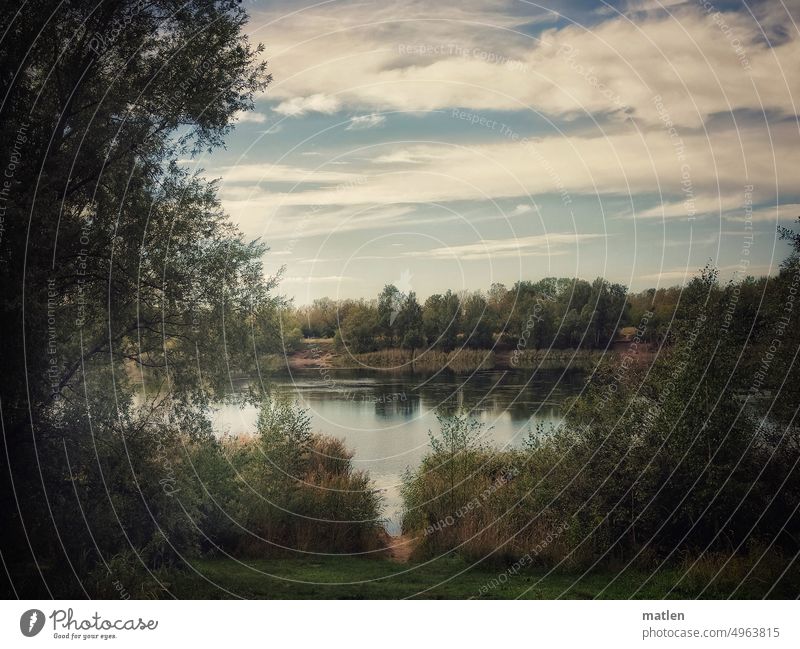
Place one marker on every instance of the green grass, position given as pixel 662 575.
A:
pixel 360 578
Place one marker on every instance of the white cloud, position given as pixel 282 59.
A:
pixel 648 6
pixel 730 206
pixel 702 205
pixel 265 218
pixel 316 103
pixel 251 173
pixel 621 164
pixel 683 274
pixel 310 279
pixel 540 244
pixel 686 274
pixel 695 241
pixel 784 214
pixel 480 59
pixel 403 156
pixel 249 117
pixel 360 122
pixel 400 57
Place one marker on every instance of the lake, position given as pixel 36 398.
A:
pixel 384 418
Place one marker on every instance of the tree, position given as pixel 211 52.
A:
pixel 476 322
pixel 609 311
pixel 409 323
pixel 390 304
pixel 441 320
pixel 784 316
pixel 357 331
pixel 320 319
pixel 114 257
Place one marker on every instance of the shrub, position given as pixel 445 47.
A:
pixel 300 492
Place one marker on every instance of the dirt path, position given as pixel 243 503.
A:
pixel 399 548
pixel 316 353
pixel 308 360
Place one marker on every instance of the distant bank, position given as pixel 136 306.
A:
pixel 321 353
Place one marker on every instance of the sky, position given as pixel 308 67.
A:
pixel 440 145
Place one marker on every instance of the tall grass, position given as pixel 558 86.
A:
pixel 540 506
pixel 469 497
pixel 317 504
pixel 760 571
pixel 468 360
pixel 555 358
pixel 282 491
pixel 403 360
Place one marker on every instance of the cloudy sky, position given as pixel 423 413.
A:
pixel 456 144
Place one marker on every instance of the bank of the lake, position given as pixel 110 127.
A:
pixel 321 353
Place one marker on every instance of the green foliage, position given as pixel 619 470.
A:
pixel 441 320
pixel 390 303
pixel 148 303
pixel 357 333
pixel 467 496
pixel 409 323
pixel 549 314
pixel 320 320
pixel 285 491
pixel 300 492
pixel 655 462
pixel 477 322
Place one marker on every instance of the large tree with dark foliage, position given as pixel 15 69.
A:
pixel 115 263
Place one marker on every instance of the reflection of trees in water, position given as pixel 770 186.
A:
pixel 521 409
pixel 392 405
pixel 494 392
pixel 506 392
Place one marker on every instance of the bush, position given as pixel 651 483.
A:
pixel 172 497
pixel 466 496
pixel 299 491
pixel 583 496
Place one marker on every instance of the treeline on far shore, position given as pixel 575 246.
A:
pixel 548 314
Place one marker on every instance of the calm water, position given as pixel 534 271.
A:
pixel 385 418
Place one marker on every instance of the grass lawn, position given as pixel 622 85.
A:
pixel 358 578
